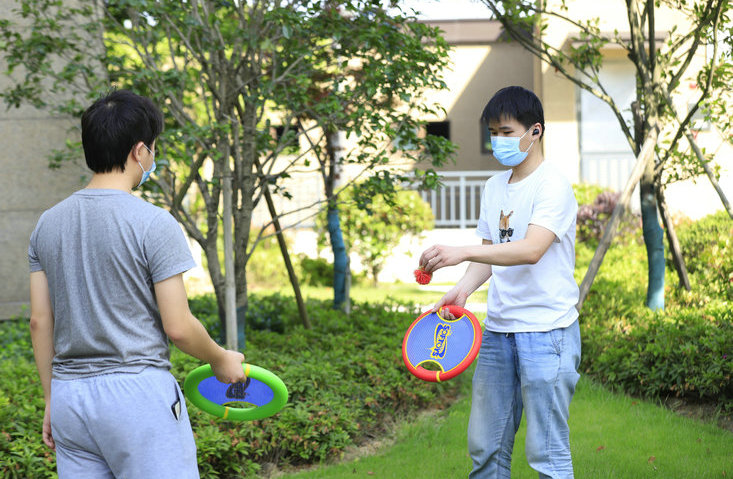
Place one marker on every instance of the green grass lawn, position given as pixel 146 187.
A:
pixel 612 436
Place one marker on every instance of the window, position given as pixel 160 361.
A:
pixel 279 132
pixel 289 139
pixel 438 128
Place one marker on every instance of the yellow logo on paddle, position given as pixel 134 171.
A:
pixel 440 341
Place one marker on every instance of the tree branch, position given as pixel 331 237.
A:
pixel 675 78
pixel 543 50
pixel 645 156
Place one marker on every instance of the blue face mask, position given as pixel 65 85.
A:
pixel 506 149
pixel 146 173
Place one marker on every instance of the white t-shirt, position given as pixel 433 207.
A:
pixel 531 297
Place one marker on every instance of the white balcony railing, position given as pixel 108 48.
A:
pixel 457 203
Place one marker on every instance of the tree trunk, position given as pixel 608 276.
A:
pixel 217 281
pixel 653 240
pixel 340 258
pixel 674 245
pixel 332 180
pixel 286 255
pixel 375 276
pixel 645 156
pixel 652 232
pixel 244 176
pixel 230 295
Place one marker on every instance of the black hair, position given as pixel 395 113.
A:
pixel 517 103
pixel 113 124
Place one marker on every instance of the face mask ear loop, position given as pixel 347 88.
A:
pixel 530 145
pixel 146 173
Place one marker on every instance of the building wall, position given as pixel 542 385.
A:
pixel 479 71
pixel 481 62
pixel 28 186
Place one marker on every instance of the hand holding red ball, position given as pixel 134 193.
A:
pixel 422 276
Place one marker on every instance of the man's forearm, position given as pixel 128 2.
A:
pixel 41 326
pixel 504 254
pixel 43 350
pixel 194 340
pixel 476 274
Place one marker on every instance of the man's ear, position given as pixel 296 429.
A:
pixel 135 156
pixel 137 150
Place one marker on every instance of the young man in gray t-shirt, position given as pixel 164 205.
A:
pixel 107 293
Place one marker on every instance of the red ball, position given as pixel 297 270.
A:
pixel 422 276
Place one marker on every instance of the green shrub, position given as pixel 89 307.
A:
pixel 315 272
pixel 270 313
pixel 15 340
pixel 683 352
pixel 318 272
pixel 22 452
pixel 708 251
pixel 586 193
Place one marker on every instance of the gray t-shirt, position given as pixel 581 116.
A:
pixel 102 251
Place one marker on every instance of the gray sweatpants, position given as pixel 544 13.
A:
pixel 122 426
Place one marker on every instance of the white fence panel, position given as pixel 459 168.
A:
pixel 457 203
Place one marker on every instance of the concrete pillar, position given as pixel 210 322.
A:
pixel 27 185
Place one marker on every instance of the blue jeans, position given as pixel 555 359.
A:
pixel 536 372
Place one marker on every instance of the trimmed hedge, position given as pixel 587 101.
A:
pixel 683 352
pixel 685 355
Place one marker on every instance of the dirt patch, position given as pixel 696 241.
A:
pixel 367 447
pixel 701 412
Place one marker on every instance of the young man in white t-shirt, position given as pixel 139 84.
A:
pixel 530 350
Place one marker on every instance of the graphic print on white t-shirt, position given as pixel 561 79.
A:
pixel 505 231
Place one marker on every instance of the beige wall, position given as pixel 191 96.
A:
pixel 481 62
pixel 478 72
pixel 28 187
